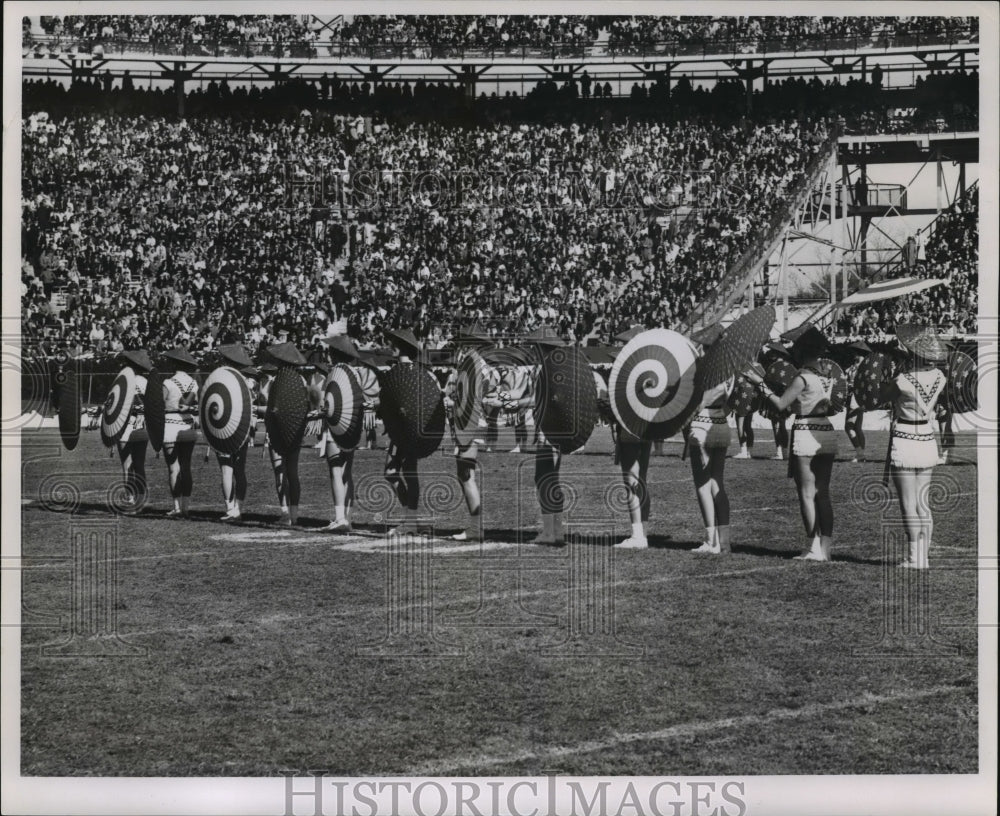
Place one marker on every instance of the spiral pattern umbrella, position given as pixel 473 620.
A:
pixel 653 385
pixel 226 410
pixel 343 406
pixel 118 406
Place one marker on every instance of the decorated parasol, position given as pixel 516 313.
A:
pixel 652 385
pixel 226 410
pixel 735 349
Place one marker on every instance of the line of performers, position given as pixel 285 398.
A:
pixel 914 393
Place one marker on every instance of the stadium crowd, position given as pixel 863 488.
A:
pixel 150 227
pixel 425 33
pixel 951 253
pixel 221 28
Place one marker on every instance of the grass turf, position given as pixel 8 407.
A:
pixel 251 649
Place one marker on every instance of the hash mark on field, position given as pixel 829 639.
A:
pixel 452 765
pixel 383 545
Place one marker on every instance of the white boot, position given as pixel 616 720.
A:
pixel 636 541
pixel 819 550
pixel 711 544
pixel 919 554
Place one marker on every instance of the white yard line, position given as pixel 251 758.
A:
pixel 452 766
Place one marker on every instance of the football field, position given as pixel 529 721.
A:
pixel 161 647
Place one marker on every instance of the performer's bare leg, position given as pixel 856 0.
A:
pixel 812 480
pixel 278 466
pixel 780 438
pixel 911 487
pixel 465 463
pixel 853 422
pixel 520 433
pixel 708 470
pixel 744 432
pixel 634 460
pixel 133 461
pixel 340 464
pixel 293 488
pixel 549 491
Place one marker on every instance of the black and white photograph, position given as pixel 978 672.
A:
pixel 500 408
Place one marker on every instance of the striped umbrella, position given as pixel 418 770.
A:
pixel 889 289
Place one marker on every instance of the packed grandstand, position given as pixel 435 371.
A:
pixel 325 205
pixel 431 35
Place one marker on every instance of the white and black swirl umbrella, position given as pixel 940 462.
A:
pixel 470 388
pixel 343 406
pixel 226 410
pixel 652 384
pixel 118 406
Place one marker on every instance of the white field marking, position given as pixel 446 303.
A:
pixel 451 766
pixel 471 598
pixel 384 545
pixel 263 535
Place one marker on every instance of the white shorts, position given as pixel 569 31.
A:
pixel 814 436
pixel 178 428
pixel 709 432
pixel 913 446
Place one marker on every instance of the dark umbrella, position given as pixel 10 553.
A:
pixel 735 348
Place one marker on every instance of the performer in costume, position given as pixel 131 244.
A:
pixel 548 458
pixel 913 450
pixel 515 394
pixel 401 466
pixel 469 340
pixel 371 407
pixel 132 443
pixel 945 419
pixel 632 455
pixel 813 442
pixel 708 441
pixel 286 467
pixel 316 375
pixel 180 402
pixel 233 467
pixel 745 435
pixel 268 371
pixel 340 459
pixel 779 427
pixel 855 418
